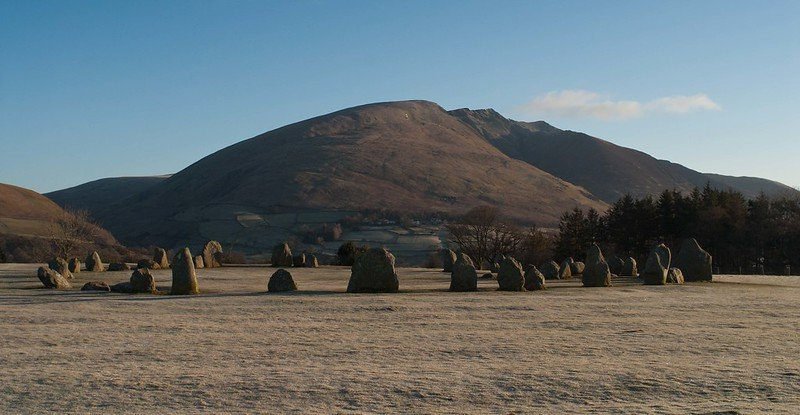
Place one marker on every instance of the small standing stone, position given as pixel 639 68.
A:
pixel 74 265
pixel 198 262
pixel 535 280
pixel 50 278
pixel 60 266
pixel 212 251
pixel 675 276
pixel 184 277
pixel 550 270
pixel 694 261
pixel 311 261
pixel 448 260
pixel 96 286
pixel 657 266
pixel 374 272
pixel 160 257
pixel 143 282
pixel 281 281
pixel 282 255
pixel 510 277
pixel 464 277
pixel 93 262
pixel 596 273
pixel 299 260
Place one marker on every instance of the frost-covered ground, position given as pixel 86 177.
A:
pixel 729 346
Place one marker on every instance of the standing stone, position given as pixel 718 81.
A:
pixel 596 273
pixel 211 253
pixel 577 268
pixel 281 281
pixel 550 270
pixel 694 261
pixel 461 256
pixel 311 261
pixel 198 262
pixel 93 262
pixel 143 282
pixel 147 263
pixel 629 269
pixel 184 277
pixel 96 286
pixel 282 255
pixel 510 277
pixel 675 276
pixel 448 260
pixel 615 265
pixel 60 266
pixel 534 280
pixel 374 272
pixel 160 257
pixel 74 265
pixel 565 273
pixel 50 278
pixel 299 260
pixel 464 277
pixel 657 266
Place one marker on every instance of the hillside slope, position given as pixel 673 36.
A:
pixel 607 170
pixel 96 195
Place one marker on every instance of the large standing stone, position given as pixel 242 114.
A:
pixel 464 277
pixel 694 261
pixel 50 278
pixel 93 262
pixel 211 253
pixel 565 273
pixel 60 266
pixel 448 260
pixel 118 266
pixel 550 270
pixel 198 262
pixel 311 261
pixel 657 266
pixel 184 277
pixel 96 286
pixel 577 268
pixel 510 277
pixel 596 273
pixel 160 257
pixel 629 269
pixel 143 282
pixel 675 276
pixel 74 265
pixel 282 255
pixel 615 265
pixel 281 281
pixel 534 280
pixel 373 271
pixel 299 260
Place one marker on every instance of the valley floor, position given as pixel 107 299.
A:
pixel 731 346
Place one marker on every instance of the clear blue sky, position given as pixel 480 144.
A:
pixel 92 89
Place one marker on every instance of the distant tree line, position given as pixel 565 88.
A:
pixel 741 234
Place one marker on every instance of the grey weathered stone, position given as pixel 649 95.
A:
pixel 675 276
pixel 596 273
pixel 96 286
pixel 629 269
pixel 143 282
pixel 281 281
pixel 93 262
pixel 657 266
pixel 694 262
pixel 282 256
pixel 160 257
pixel 464 277
pixel 212 251
pixel 51 278
pixel 60 266
pixel 184 277
pixel 311 261
pixel 118 266
pixel 565 272
pixel 577 268
pixel 147 263
pixel 123 288
pixel 615 265
pixel 74 265
pixel 534 280
pixel 510 277
pixel 464 257
pixel 299 260
pixel 198 262
pixel 448 259
pixel 373 271
pixel 550 270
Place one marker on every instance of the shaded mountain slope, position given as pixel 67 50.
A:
pixel 96 195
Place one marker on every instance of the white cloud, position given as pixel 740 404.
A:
pixel 587 104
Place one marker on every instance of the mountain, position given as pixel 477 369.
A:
pixel 27 225
pixel 605 169
pixel 94 196
pixel 408 156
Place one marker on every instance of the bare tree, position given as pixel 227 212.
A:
pixel 483 235
pixel 71 229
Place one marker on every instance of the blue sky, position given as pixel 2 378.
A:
pixel 92 89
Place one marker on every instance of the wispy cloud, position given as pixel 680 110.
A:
pixel 587 104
